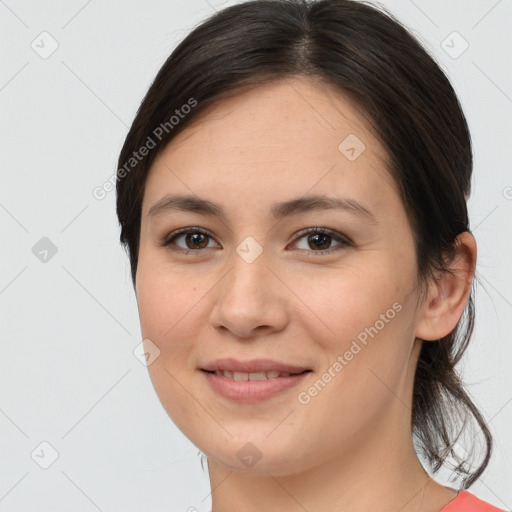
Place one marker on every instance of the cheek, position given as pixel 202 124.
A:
pixel 163 298
pixel 360 321
pixel 169 304
pixel 166 311
pixel 342 303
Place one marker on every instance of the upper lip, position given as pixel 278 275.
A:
pixel 252 366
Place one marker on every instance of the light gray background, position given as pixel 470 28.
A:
pixel 69 325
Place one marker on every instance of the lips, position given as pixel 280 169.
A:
pixel 251 391
pixel 254 366
pixel 252 375
pixel 252 381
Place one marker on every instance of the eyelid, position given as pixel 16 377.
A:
pixel 343 240
pixel 327 231
pixel 183 231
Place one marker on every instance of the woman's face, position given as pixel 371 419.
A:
pixel 259 286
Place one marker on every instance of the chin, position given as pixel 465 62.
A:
pixel 257 458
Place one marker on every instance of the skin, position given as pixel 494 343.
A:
pixel 350 448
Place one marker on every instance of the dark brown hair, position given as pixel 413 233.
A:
pixel 408 103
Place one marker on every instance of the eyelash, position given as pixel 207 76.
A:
pixel 344 241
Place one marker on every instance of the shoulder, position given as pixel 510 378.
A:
pixel 467 502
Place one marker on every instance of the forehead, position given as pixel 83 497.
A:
pixel 281 139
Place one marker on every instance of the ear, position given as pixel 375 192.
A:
pixel 448 296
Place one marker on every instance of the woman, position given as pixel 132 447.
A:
pixel 292 194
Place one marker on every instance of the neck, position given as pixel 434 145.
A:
pixel 378 471
pixel 377 474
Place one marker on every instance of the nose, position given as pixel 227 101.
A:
pixel 251 300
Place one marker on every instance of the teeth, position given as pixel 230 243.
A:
pixel 251 376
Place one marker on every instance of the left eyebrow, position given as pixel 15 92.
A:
pixel 194 204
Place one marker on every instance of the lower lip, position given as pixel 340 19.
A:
pixel 251 390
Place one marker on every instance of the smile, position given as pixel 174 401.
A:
pixel 252 376
pixel 252 387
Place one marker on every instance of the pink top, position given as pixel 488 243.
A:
pixel 467 502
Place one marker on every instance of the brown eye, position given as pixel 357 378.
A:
pixel 320 240
pixel 196 240
pixel 193 239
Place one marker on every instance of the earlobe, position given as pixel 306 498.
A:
pixel 448 296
